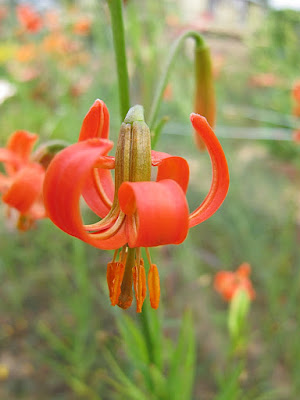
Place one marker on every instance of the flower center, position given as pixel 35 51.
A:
pixel 133 164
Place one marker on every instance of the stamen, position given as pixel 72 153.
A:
pixel 104 223
pixel 24 223
pixel 123 255
pixel 105 162
pixel 154 286
pixel 148 255
pixel 138 259
pixel 115 273
pixel 112 230
pixel 139 282
pixel 115 255
pixel 103 196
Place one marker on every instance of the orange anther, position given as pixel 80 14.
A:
pixel 139 283
pixel 154 286
pixel 114 276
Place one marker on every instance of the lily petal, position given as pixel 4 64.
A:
pixel 10 160
pixel 171 167
pixel 96 122
pixel 21 143
pixel 8 156
pixel 5 182
pixel 156 212
pixel 25 188
pixel 98 191
pixel 66 176
pixel 220 177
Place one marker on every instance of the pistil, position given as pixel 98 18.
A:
pixel 126 296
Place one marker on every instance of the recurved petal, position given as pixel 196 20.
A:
pixel 21 143
pixel 11 161
pixel 64 181
pixel 5 182
pixel 220 174
pixel 156 212
pixel 171 167
pixel 25 188
pixel 98 191
pixel 7 156
pixel 96 122
pixel 225 283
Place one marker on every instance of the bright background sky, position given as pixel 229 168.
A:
pixel 295 4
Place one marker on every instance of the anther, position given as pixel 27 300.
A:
pixel 154 286
pixel 114 276
pixel 139 283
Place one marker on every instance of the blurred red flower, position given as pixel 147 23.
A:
pixel 227 283
pixel 29 19
pixel 3 12
pixel 21 185
pixel 82 26
pixel 296 91
pixel 296 136
pixel 263 80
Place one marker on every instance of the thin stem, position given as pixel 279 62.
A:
pixel 199 41
pixel 117 22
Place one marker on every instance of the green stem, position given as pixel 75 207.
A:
pixel 117 22
pixel 199 41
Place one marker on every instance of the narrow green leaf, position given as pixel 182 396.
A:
pixel 136 347
pixel 230 388
pixel 182 367
pixel 127 386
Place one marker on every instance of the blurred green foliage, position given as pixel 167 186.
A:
pixel 275 46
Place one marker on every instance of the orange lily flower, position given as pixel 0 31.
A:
pixel 296 136
pixel 3 12
pixel 26 53
pixel 296 91
pixel 296 97
pixel 228 283
pixel 82 26
pixel 135 211
pixel 264 80
pixel 296 110
pixel 21 186
pixel 29 18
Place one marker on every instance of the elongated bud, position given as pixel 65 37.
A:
pixel 205 104
pixel 133 155
pixel 44 153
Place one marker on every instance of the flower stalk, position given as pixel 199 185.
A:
pixel 117 22
pixel 199 43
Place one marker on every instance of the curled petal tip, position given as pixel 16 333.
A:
pixel 96 122
pixel 199 119
pixel 98 103
pixel 220 178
